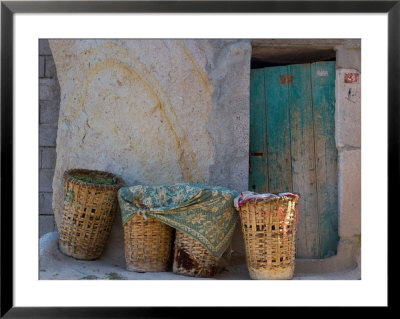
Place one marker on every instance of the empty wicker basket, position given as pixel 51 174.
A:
pixel 90 203
pixel 269 229
pixel 147 244
pixel 191 258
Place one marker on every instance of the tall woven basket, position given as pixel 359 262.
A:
pixel 269 229
pixel 191 258
pixel 148 244
pixel 90 203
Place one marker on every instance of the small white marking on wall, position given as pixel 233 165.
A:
pixel 322 73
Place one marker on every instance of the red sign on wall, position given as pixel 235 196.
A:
pixel 350 77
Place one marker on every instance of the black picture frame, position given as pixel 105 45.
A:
pixel 8 8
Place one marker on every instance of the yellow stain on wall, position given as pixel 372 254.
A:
pixel 200 71
pixel 116 56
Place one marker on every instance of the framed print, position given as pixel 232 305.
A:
pixel 163 155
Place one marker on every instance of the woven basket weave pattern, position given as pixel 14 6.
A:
pixel 191 258
pixel 88 215
pixel 147 244
pixel 269 230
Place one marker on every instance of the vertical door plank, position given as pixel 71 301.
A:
pixel 303 160
pixel 278 135
pixel 258 179
pixel 323 87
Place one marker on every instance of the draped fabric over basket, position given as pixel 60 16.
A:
pixel 204 212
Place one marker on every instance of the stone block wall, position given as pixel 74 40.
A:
pixel 49 104
pixel 348 142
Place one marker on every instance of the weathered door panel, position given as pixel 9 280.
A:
pixel 323 88
pixel 292 147
pixel 303 158
pixel 258 160
pixel 278 129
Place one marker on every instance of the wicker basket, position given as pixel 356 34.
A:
pixel 269 229
pixel 148 244
pixel 191 258
pixel 88 214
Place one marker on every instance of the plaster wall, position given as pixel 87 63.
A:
pixel 154 112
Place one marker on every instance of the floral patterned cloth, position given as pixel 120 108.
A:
pixel 204 212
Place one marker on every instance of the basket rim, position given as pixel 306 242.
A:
pixel 68 177
pixel 269 200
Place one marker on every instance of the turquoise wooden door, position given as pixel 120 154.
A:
pixel 292 147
